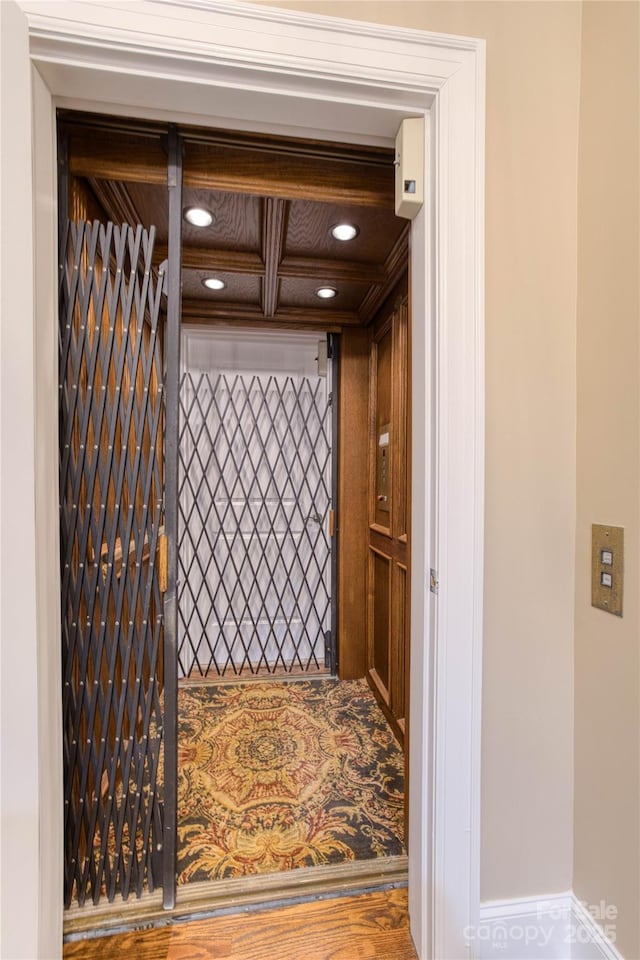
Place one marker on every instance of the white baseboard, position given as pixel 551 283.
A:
pixel 554 927
pixel 598 937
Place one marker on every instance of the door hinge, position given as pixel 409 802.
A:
pixel 434 582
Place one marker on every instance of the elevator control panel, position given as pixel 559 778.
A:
pixel 607 567
pixel 382 468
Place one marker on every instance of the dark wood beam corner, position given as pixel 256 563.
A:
pixel 395 265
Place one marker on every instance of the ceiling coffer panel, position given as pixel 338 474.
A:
pixel 238 287
pixel 237 221
pixel 303 293
pixel 273 203
pixel 309 231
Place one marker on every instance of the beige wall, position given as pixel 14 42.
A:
pixel 607 662
pixel 533 75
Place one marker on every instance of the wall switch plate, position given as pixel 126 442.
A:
pixel 607 568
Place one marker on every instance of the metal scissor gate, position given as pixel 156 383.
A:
pixel 111 505
pixel 254 548
pixel 118 353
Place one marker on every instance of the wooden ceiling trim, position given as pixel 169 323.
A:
pixel 210 310
pixel 216 167
pixel 98 155
pixel 207 258
pixel 343 318
pixel 303 268
pixel 273 323
pixel 114 126
pixel 203 311
pixel 395 265
pixel 274 216
pixel 291 146
pixel 314 268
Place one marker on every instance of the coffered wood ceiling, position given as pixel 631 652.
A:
pixel 273 201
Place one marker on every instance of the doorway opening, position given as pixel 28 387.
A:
pixel 292 557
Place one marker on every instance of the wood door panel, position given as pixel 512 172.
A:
pixel 353 503
pixel 400 391
pixel 380 617
pixel 389 521
pixel 399 582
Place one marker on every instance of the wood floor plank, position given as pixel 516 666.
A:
pixel 373 926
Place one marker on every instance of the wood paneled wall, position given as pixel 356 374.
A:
pixel 353 482
pixel 388 573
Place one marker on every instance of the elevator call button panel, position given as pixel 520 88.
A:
pixel 382 468
pixel 607 567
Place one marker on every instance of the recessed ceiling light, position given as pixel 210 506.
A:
pixel 198 216
pixel 326 293
pixel 214 283
pixel 344 231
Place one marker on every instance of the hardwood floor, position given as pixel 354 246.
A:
pixel 372 926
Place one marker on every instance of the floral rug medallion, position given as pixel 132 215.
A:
pixel 277 775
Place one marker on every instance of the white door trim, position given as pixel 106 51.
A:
pixel 220 62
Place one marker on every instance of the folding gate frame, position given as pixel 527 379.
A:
pixel 118 632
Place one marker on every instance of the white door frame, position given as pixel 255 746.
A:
pixel 226 63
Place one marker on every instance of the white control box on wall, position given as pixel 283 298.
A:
pixel 409 164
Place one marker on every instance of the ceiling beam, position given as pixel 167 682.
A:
pixel 272 323
pixel 97 154
pixel 204 311
pixel 266 142
pixel 311 268
pixel 240 170
pixel 205 258
pixel 314 268
pixel 342 318
pixel 274 218
pixel 294 146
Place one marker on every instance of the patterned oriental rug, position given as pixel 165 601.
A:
pixel 277 775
